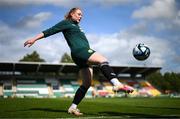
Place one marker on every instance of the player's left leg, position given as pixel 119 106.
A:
pixel 86 74
pixel 103 64
pixel 108 72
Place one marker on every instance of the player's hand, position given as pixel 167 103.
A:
pixel 29 42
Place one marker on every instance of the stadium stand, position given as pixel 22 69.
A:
pixel 32 88
pixel 147 89
pixel 42 80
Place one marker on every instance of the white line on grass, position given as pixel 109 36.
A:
pixel 98 117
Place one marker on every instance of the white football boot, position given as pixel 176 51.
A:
pixel 74 111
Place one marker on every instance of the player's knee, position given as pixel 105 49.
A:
pixel 105 63
pixel 87 85
pixel 102 61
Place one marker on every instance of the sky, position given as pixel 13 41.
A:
pixel 113 28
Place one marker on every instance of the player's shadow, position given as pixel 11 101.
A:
pixel 48 110
pixel 172 108
pixel 133 115
pixel 137 115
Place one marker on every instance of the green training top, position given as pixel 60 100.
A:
pixel 73 34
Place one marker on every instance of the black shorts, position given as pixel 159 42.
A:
pixel 81 57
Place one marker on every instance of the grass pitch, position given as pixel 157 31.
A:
pixel 92 108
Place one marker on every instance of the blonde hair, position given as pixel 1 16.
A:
pixel 68 15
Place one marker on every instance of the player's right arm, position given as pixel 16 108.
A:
pixel 59 27
pixel 48 32
pixel 31 41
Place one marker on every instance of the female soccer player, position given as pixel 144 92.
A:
pixel 81 54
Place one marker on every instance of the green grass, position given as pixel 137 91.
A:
pixel 92 108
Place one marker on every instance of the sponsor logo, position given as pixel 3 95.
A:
pixel 90 51
pixel 113 74
pixel 73 25
pixel 80 29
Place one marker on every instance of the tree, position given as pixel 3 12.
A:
pixel 33 57
pixel 66 58
pixel 167 82
pixel 157 80
pixel 168 79
pixel 173 80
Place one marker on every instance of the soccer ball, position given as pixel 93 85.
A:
pixel 141 52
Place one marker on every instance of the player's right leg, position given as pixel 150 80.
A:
pixel 86 74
